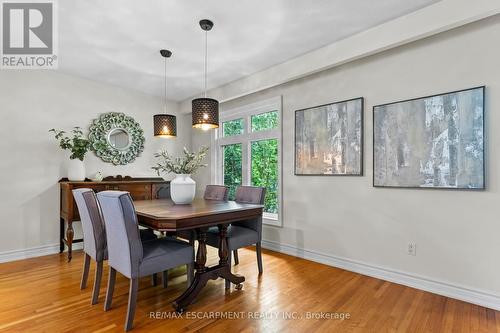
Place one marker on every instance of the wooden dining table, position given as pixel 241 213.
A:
pixel 164 215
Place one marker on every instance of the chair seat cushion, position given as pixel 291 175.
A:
pixel 237 237
pixel 164 253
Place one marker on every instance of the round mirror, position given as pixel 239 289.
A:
pixel 116 138
pixel 119 138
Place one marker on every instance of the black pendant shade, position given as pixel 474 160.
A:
pixel 205 113
pixel 165 125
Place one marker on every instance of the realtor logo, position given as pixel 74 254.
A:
pixel 28 35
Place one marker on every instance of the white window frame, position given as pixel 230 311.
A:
pixel 246 112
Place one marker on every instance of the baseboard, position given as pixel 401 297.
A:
pixel 33 252
pixel 467 294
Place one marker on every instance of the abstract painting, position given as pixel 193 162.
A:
pixel 329 139
pixel 430 142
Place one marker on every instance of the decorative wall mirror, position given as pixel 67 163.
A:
pixel 116 138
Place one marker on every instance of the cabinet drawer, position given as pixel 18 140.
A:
pixel 137 191
pixel 96 188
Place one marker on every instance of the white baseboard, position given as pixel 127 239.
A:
pixel 33 252
pixel 467 294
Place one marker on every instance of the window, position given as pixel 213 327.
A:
pixel 265 171
pixel 248 152
pixel 232 127
pixel 232 168
pixel 265 121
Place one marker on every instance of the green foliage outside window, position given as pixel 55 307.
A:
pixel 265 171
pixel 233 127
pixel 232 168
pixel 265 121
pixel 264 157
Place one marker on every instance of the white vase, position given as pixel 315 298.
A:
pixel 182 189
pixel 76 170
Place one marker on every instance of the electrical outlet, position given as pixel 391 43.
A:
pixel 412 249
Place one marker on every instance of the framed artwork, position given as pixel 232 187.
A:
pixel 430 142
pixel 329 139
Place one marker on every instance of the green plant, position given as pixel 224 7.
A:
pixel 77 144
pixel 188 164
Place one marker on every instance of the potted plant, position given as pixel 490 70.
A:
pixel 182 187
pixel 79 146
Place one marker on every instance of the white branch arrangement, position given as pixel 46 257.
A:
pixel 188 164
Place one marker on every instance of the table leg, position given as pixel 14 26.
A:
pixel 69 239
pixel 61 235
pixel 203 273
pixel 201 254
pixel 225 266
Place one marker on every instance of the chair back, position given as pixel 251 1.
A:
pixel 94 234
pixel 216 192
pixel 122 232
pixel 251 195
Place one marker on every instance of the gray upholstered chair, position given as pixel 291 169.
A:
pixel 212 192
pixel 216 192
pixel 94 237
pixel 129 255
pixel 245 233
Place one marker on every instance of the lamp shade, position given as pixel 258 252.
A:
pixel 165 125
pixel 205 113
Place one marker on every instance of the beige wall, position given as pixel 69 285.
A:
pixel 456 232
pixel 32 102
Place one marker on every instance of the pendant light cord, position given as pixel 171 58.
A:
pixel 165 85
pixel 206 57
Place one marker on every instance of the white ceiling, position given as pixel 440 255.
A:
pixel 118 41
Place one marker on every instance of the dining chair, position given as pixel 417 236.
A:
pixel 212 192
pixel 129 255
pixel 94 237
pixel 216 192
pixel 244 233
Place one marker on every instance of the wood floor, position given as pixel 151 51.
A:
pixel 42 295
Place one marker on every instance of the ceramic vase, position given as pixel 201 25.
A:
pixel 182 189
pixel 76 170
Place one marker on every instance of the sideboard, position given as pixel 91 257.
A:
pixel 139 188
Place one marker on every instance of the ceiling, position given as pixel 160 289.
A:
pixel 118 41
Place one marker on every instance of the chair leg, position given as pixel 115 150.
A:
pixel 85 274
pixel 236 259
pixel 228 283
pixel 111 288
pixel 190 273
pixel 97 282
pixel 154 279
pixel 258 247
pixel 164 278
pixel 132 302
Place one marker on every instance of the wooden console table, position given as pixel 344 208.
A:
pixel 139 188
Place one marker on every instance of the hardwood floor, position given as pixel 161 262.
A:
pixel 42 295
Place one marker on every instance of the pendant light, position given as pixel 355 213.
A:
pixel 205 111
pixel 165 125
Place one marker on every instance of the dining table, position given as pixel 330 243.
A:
pixel 166 216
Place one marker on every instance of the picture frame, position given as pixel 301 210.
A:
pixel 333 146
pixel 445 161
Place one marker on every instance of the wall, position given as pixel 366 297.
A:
pixel 346 222
pixel 32 102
